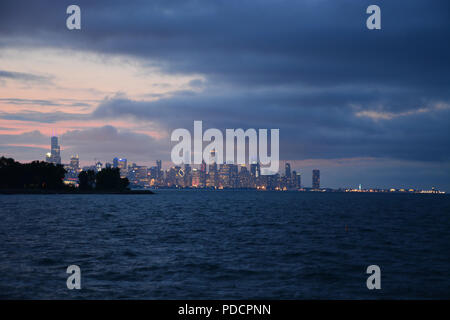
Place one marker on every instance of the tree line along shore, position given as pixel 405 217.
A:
pixel 39 177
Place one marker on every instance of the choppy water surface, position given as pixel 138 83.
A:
pixel 227 244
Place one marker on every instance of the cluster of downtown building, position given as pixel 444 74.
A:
pixel 212 176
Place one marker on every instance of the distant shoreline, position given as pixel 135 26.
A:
pixel 44 191
pixel 147 192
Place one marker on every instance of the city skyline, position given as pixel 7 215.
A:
pixel 213 175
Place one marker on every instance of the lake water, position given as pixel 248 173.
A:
pixel 225 245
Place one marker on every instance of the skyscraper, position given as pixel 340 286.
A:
pixel 179 177
pixel 196 178
pixel 158 174
pixel 73 169
pixel 187 175
pixel 138 175
pixel 54 156
pixel 316 179
pixel 121 163
pixel 298 180
pixel 228 175
pixel 203 166
pixel 213 175
pixel 212 161
pixel 234 176
pixel 171 178
pixel 158 166
pixel 212 179
pixel 288 170
pixel 203 174
pixel 98 166
pixel 244 178
pixel 255 169
pixel 75 163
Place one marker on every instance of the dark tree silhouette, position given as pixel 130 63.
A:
pixel 34 175
pixel 109 179
pixel 106 179
pixel 10 175
pixel 44 175
pixel 86 180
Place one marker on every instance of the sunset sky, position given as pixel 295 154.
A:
pixel 364 106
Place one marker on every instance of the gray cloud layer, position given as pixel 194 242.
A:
pixel 324 131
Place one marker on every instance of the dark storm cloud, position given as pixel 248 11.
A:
pixel 255 43
pixel 323 131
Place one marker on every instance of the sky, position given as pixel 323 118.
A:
pixel 363 106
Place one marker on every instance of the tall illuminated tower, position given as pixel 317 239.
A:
pixel 213 164
pixel 288 170
pixel 213 177
pixel 54 156
pixel 75 163
pixel 316 179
